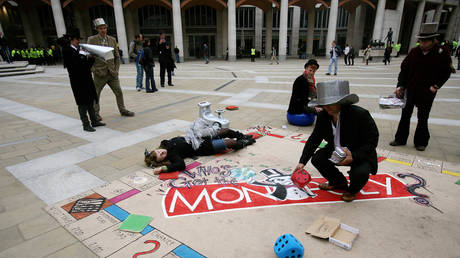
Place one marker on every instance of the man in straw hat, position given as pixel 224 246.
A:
pixel 348 127
pixel 106 71
pixel 423 72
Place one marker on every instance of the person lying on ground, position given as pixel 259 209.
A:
pixel 201 140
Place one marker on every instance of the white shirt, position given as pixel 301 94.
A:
pixel 336 131
pixel 334 54
pixel 347 50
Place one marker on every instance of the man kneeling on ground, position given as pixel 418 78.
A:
pixel 342 125
pixel 201 139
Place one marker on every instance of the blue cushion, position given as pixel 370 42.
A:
pixel 301 119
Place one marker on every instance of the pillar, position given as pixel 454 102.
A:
pixel 130 33
pixel 268 31
pixel 295 31
pixel 310 30
pixel 360 21
pixel 400 10
pixel 27 27
pixel 58 17
pixel 86 21
pixel 259 23
pixel 224 32
pixel 177 22
pixel 79 22
pixel 437 14
pixel 135 16
pixel 282 43
pixel 219 41
pixel 417 23
pixel 351 27
pixel 121 31
pixel 231 30
pixel 332 26
pixel 378 24
pixel 452 27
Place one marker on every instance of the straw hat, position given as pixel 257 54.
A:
pixel 333 92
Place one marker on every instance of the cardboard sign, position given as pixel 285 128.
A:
pixel 338 233
pixel 218 197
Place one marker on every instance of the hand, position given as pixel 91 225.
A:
pixel 157 171
pixel 299 166
pixel 399 92
pixel 318 109
pixel 348 159
pixel 433 89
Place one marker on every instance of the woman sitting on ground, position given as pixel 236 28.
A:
pixel 201 140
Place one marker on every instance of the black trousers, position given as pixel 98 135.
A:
pixel 87 109
pixel 345 58
pixel 422 135
pixel 164 67
pixel 149 80
pixel 351 60
pixel 359 173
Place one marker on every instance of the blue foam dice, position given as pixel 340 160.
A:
pixel 287 246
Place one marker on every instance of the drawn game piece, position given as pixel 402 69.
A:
pixel 86 206
pixel 135 223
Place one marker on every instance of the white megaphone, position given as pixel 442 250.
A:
pixel 105 53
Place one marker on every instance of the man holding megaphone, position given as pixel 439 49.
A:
pixel 106 71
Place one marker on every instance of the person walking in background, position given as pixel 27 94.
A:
pixel 176 53
pixel 387 55
pixel 398 49
pixel 457 54
pixel 423 72
pixel 4 50
pixel 148 64
pixel 351 56
pixel 346 52
pixel 367 54
pixel 335 53
pixel 164 59
pixel 273 56
pixel 253 54
pixel 106 71
pixel 135 51
pixel 78 64
pixel 206 53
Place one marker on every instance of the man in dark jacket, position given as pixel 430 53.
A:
pixel 345 126
pixel 423 72
pixel 78 66
pixel 164 59
pixel 335 53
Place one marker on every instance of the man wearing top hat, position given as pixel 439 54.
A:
pixel 423 72
pixel 348 127
pixel 78 64
pixel 106 71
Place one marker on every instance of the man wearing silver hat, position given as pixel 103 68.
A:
pixel 348 129
pixel 106 71
pixel 423 72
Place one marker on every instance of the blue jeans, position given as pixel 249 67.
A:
pixel 139 76
pixel 331 61
pixel 177 58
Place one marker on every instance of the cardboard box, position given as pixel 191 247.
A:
pixel 337 233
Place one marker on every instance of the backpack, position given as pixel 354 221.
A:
pixel 140 56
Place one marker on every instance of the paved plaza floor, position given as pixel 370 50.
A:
pixel 49 164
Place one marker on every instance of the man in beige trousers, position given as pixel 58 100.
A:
pixel 106 71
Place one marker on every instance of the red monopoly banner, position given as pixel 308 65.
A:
pixel 274 192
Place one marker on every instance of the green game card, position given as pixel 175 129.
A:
pixel 458 182
pixel 135 223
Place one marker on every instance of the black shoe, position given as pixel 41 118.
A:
pixel 98 123
pixel 243 143
pixel 170 84
pixel 127 113
pixel 162 85
pixel 98 117
pixel 420 148
pixel 335 74
pixel 150 91
pixel 396 143
pixel 328 74
pixel 89 128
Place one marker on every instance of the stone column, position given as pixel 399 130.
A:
pixel 332 26
pixel 268 32
pixel 224 29
pixel 58 17
pixel 351 27
pixel 27 28
pixel 453 25
pixel 400 10
pixel 129 25
pixel 378 23
pixel 295 31
pixel 121 31
pixel 135 15
pixel 282 41
pixel 360 20
pixel 79 22
pixel 178 29
pixel 310 30
pixel 184 37
pixel 86 21
pixel 231 30
pixel 219 50
pixel 437 14
pixel 259 23
pixel 417 23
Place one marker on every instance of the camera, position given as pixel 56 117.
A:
pixel 338 155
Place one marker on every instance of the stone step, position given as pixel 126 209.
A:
pixel 17 69
pixel 38 69
pixel 5 65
